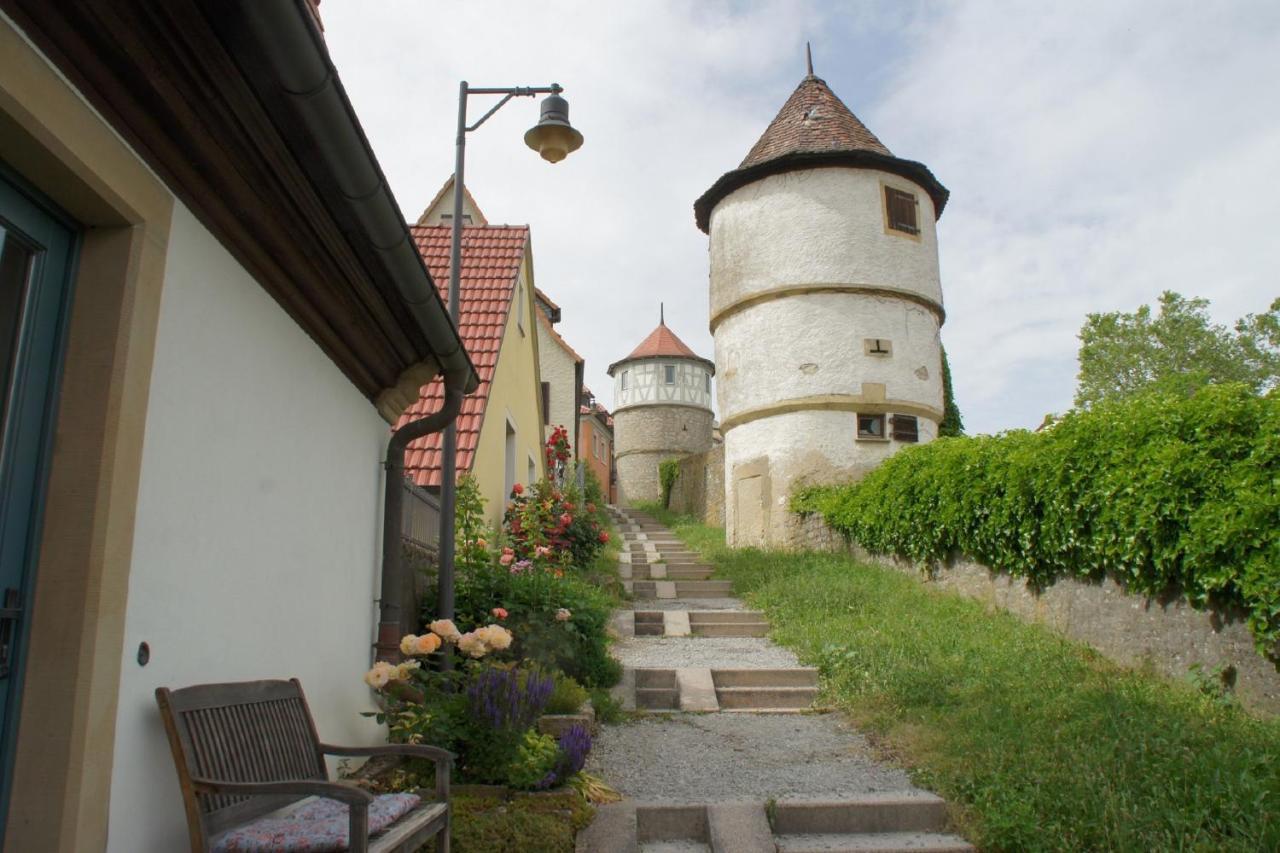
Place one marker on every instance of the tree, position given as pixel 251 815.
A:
pixel 1178 349
pixel 952 424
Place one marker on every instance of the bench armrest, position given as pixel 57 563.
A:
pixel 293 787
pixel 443 758
pixel 410 750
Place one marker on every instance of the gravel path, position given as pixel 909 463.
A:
pixel 716 652
pixel 702 758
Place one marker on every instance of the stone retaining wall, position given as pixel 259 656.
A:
pixel 1135 630
pixel 699 490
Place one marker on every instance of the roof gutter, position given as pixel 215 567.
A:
pixel 283 38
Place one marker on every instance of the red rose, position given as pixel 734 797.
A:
pixel 566 519
pixel 517 489
pixel 604 536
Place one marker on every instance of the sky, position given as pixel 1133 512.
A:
pixel 1097 153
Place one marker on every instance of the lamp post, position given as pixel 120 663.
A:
pixel 554 139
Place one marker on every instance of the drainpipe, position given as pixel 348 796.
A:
pixel 391 605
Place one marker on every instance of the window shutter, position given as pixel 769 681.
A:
pixel 902 208
pixel 905 428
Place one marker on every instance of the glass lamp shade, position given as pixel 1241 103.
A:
pixel 553 137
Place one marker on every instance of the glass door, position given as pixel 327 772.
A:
pixel 36 255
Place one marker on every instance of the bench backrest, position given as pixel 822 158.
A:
pixel 248 731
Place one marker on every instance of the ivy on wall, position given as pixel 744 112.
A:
pixel 668 472
pixel 1164 493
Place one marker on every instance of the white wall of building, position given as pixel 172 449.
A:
pixel 820 226
pixel 817 346
pixel 643 381
pixel 805 278
pixel 256 552
pixel 558 367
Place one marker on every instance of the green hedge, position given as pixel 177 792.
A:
pixel 1168 495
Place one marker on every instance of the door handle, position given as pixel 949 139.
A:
pixel 10 613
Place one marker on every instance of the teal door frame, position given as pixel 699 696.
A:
pixel 26 429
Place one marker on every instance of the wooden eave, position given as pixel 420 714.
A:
pixel 238 157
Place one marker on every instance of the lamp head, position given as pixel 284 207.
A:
pixel 553 137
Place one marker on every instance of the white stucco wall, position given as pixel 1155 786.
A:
pixel 819 226
pixel 812 344
pixel 785 339
pixel 646 383
pixel 791 449
pixel 556 366
pixel 256 547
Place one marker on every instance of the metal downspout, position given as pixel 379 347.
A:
pixel 390 604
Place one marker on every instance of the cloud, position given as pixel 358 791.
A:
pixel 1097 153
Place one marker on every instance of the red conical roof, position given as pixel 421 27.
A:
pixel 813 130
pixel 813 120
pixel 662 343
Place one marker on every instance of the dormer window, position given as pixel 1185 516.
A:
pixel 669 374
pixel 900 211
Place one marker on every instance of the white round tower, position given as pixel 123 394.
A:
pixel 661 410
pixel 825 308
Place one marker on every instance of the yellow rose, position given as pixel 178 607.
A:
pixel 472 645
pixel 495 637
pixel 408 643
pixel 426 644
pixel 404 671
pixel 378 676
pixel 445 630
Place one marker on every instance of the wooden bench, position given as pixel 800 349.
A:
pixel 249 750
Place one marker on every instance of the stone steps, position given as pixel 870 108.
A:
pixel 662 571
pixel 883 823
pixel 702 690
pixel 681 589
pixel 727 623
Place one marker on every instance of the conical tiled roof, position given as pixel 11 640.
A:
pixel 662 343
pixel 814 129
pixel 813 119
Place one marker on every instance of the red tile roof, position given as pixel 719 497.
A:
pixel 813 120
pixel 814 129
pixel 662 343
pixel 491 260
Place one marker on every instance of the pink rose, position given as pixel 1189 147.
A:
pixel 506 558
pixel 500 612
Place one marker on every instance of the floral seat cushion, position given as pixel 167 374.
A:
pixel 317 826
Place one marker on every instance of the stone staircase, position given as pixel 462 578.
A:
pixel 667 583
pixel 872 823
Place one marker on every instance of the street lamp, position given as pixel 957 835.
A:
pixel 554 139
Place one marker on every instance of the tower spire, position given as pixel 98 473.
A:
pixel 662 314
pixel 808 58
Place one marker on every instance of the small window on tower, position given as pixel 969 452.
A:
pixel 905 428
pixel 900 211
pixel 871 427
pixel 626 379
pixel 708 383
pixel 669 374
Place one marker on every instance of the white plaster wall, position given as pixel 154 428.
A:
pixel 256 543
pixel 557 367
pixel 812 344
pixel 646 383
pixel 819 226
pixel 798 448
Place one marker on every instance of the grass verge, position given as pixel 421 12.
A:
pixel 1039 742
pixel 542 823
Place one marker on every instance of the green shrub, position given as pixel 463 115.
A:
pixel 567 696
pixel 1165 493
pixel 535 759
